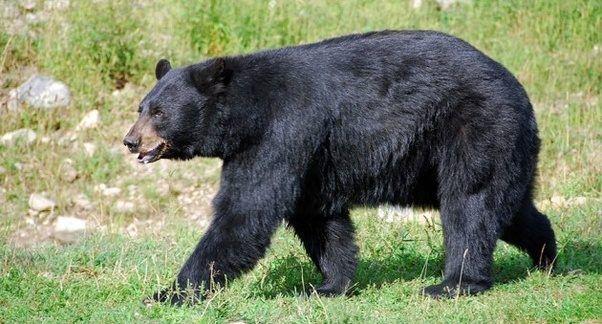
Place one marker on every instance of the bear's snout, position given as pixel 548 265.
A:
pixel 132 143
pixel 142 138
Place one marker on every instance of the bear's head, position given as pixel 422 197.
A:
pixel 180 118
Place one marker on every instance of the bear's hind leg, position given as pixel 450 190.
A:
pixel 532 232
pixel 470 231
pixel 329 241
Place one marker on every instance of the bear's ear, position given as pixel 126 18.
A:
pixel 162 68
pixel 211 76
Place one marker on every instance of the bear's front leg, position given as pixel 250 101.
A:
pixel 251 203
pixel 231 246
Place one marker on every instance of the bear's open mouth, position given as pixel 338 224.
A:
pixel 152 155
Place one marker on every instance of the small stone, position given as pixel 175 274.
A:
pixel 579 201
pixel 124 207
pixel 69 224
pixel 82 202
pixel 43 92
pixel 45 220
pixel 89 148
pixel 416 4
pixel 558 201
pixel 28 5
pixel 18 166
pixel 23 135
pixel 30 221
pixel 132 230
pixel 2 170
pixel 68 229
pixel 39 202
pixel 111 191
pixel 90 120
pixel 67 139
pixel 68 172
pixel 13 100
pixel 45 139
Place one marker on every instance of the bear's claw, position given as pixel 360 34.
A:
pixel 174 297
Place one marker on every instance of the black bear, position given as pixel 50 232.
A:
pixel 307 132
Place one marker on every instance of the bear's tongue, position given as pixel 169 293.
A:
pixel 152 155
pixel 144 159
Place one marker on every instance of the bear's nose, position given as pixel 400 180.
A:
pixel 132 143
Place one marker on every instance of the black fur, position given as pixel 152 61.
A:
pixel 308 132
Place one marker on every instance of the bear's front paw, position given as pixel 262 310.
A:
pixel 447 290
pixel 329 291
pixel 332 289
pixel 175 297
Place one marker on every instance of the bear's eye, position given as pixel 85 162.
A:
pixel 157 113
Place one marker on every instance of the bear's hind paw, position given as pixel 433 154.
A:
pixel 445 290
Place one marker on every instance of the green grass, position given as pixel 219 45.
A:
pixel 553 47
pixel 106 276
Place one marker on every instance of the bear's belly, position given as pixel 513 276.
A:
pixel 369 175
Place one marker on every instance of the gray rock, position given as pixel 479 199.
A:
pixel 90 120
pixel 69 224
pixel 39 202
pixel 23 136
pixel 81 201
pixel 12 102
pixel 32 214
pixel 111 191
pixel 67 139
pixel 68 172
pixel 41 92
pixel 89 148
pixel 68 229
pixel 107 191
pixel 124 207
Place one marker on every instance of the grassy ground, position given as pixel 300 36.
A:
pixel 105 51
